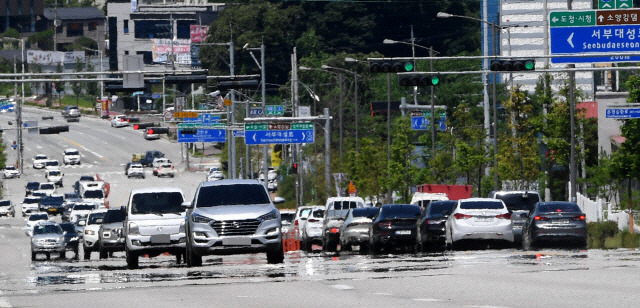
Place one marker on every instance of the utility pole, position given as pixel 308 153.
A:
pixel 433 109
pixel 388 133
pixel 327 150
pixel 231 118
pixel 496 183
pixel 572 113
pixel 413 55
pixel 485 76
pixel 340 114
pixel 263 89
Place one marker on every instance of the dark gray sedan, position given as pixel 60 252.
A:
pixel 555 222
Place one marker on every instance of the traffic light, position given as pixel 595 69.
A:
pixel 294 168
pixel 53 129
pixel 390 66
pixel 185 79
pixel 158 130
pixel 238 84
pixel 188 131
pixel 513 65
pixel 143 125
pixel 411 80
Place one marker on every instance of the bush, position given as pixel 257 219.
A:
pixel 600 231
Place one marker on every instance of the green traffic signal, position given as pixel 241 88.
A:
pixel 408 67
pixel 435 80
pixel 529 65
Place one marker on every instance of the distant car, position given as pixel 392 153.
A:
pixel 94 196
pixel 301 218
pixel 47 237
pixel 52 164
pixel 110 234
pixel 157 162
pixel 355 230
pixel 518 202
pixel 48 188
pixel 479 219
pixel 336 210
pixel 422 199
pixel 430 230
pixel 31 187
pixel 53 204
pixel 90 231
pixel 272 186
pixel 165 170
pixel 71 157
pixel 215 175
pixel 80 211
pixel 555 222
pixel 149 134
pixel 312 231
pixel 119 121
pixel 10 172
pixel 30 205
pixel 71 237
pixel 70 111
pixel 136 170
pixel 150 156
pixel 7 208
pixel 286 217
pixel 272 175
pixel 38 161
pixel 393 227
pixel 83 178
pixel 33 220
pixel 54 176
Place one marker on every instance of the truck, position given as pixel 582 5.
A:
pixel 453 192
pixel 149 156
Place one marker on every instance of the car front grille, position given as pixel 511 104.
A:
pixel 236 227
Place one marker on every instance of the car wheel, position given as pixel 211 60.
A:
pixel 63 255
pixel 86 254
pixel 583 245
pixel 306 246
pixel 76 253
pixel 364 248
pixel 526 243
pixel 192 258
pixel 275 253
pixel 33 256
pixel 178 258
pixel 103 253
pixel 346 247
pixel 132 259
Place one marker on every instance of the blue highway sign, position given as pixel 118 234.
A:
pixel 620 112
pixel 279 136
pixel 419 123
pixel 204 135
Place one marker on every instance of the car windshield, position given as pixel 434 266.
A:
pixel 53 200
pixel 441 208
pixel 93 194
pixel 481 205
pixel 40 157
pixel 235 194
pixel 305 212
pixel 93 218
pixel 558 207
pixel 86 178
pixel 166 166
pixel 10 168
pixel 157 203
pixel 71 196
pixel 36 217
pixel 345 205
pixel 5 202
pixel 47 229
pixel 287 217
pixel 68 227
pixel 31 200
pixel 113 216
pixel 52 163
pixel 33 185
pixel 55 173
pixel 365 212
pixel 400 211
pixel 71 153
pixel 519 201
pixel 47 186
pixel 83 207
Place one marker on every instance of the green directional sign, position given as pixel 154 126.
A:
pixel 606 4
pixel 301 125
pixel 201 125
pixel 572 18
pixel 624 4
pixel 255 126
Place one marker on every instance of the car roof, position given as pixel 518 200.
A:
pixel 70 149
pixel 230 182
pixel 505 192
pixel 98 211
pixel 332 199
pixel 155 189
pixel 479 199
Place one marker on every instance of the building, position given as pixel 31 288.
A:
pixel 160 31
pixel 21 15
pixel 74 23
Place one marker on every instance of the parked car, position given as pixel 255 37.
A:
pixel 30 205
pixel 10 172
pixel 355 229
pixel 54 176
pixel 136 170
pixel 154 223
pixel 286 218
pixel 71 237
pixel 31 187
pixel 70 111
pixel 38 161
pixel 71 157
pixel 90 237
pixel 518 203
pixel 335 212
pixel 479 219
pixel 149 156
pixel 7 208
pixel 555 222
pixel 165 170
pixel 232 216
pixel 431 226
pixel 53 204
pixel 95 196
pixel 47 237
pixel 52 164
pixel 312 231
pixel 149 134
pixel 393 227
pixel 110 234
pixel 33 220
pixel 119 121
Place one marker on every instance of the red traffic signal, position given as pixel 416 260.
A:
pixel 136 127
pixel 294 168
pixel 150 131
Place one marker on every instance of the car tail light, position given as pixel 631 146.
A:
pixel 541 218
pixel 295 223
pixel 505 216
pixel 312 220
pixel 122 120
pixel 462 216
pixel 580 217
pixel 334 230
pixel 384 225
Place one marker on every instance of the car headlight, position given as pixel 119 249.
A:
pixel 89 232
pixel 200 219
pixel 134 229
pixel 269 216
pixel 60 240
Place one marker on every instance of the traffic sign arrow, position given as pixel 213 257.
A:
pixel 555 19
pixel 569 40
pixel 254 137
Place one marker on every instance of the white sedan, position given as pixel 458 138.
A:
pixel 39 160
pixel 33 220
pixel 479 219
pixel 119 121
pixel 10 172
pixel 165 169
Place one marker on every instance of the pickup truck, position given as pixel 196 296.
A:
pixel 149 156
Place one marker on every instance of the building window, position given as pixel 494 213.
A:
pixel 93 26
pixel 147 56
pixel 126 52
pixel 126 26
pixel 75 29
pixel 150 29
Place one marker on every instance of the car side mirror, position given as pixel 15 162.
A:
pixel 186 205
pixel 524 215
pixel 81 223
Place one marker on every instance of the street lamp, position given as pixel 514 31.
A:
pixel 101 70
pixel 494 29
pixel 355 98
pixel 19 106
pixel 261 65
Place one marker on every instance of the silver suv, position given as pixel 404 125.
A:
pixel 154 223
pixel 232 217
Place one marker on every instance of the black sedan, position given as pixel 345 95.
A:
pixel 555 222
pixel 71 237
pixel 53 205
pixel 431 225
pixel 395 226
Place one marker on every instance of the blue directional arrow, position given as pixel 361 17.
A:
pixel 279 136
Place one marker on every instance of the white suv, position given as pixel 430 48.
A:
pixel 230 217
pixel 71 157
pixel 154 223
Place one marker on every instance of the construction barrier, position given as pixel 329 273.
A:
pixel 291 240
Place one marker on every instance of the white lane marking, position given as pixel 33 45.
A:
pixel 483 306
pixel 381 293
pixel 4 303
pixel 342 287
pixel 428 300
pixel 39 147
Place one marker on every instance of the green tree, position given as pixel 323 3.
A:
pixel 76 86
pixel 367 169
pixel 471 157
pixel 402 171
pixel 92 86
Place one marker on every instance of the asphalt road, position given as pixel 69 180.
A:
pixel 473 278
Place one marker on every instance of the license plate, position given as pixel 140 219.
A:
pixel 52 210
pixel 484 219
pixel 561 221
pixel 161 239
pixel 403 232
pixel 236 241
